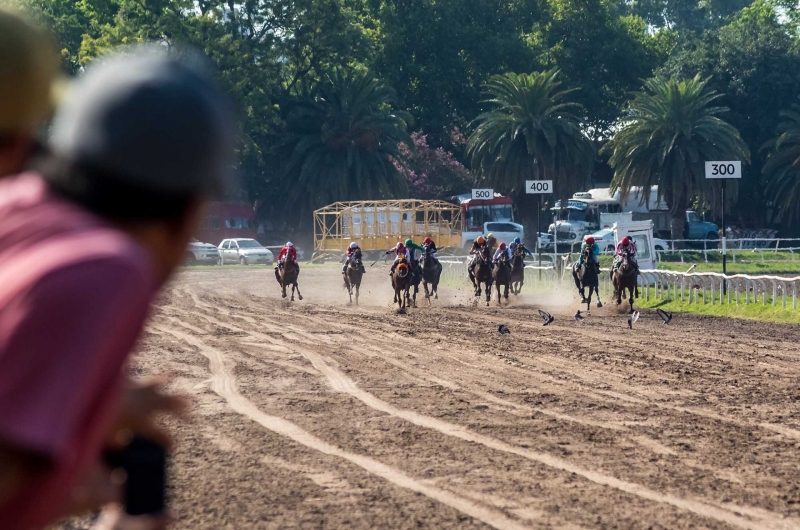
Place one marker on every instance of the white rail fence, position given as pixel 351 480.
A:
pixel 691 287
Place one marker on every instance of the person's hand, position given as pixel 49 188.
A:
pixel 114 518
pixel 142 403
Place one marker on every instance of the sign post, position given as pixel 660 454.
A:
pixel 724 170
pixel 540 187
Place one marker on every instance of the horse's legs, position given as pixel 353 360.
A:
pixel 475 283
pixel 295 286
pixel 488 292
pixel 505 292
pixel 357 288
pixel 597 292
pixel 283 289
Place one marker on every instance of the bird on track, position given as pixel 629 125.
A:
pixel 547 317
pixel 665 316
pixel 633 317
pixel 503 330
pixel 578 316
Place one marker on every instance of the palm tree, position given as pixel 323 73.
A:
pixel 343 143
pixel 532 132
pixel 670 131
pixel 782 168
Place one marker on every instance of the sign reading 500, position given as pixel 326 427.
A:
pixel 482 194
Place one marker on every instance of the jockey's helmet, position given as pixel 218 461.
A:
pixel 428 241
pixel 517 240
pixel 490 236
pixel 625 241
pixel 590 240
pixel 289 244
pixel 480 240
pixel 409 242
pixel 353 245
pixel 502 246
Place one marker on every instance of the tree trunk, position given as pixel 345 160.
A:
pixel 677 227
pixel 527 205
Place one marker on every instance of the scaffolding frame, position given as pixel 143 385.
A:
pixel 378 225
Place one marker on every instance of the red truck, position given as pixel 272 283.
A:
pixel 228 220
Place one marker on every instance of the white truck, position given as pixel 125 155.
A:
pixel 642 234
pixel 584 214
pixel 503 231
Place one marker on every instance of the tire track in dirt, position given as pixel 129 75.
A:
pixel 224 384
pixel 341 383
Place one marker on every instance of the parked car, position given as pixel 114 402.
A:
pixel 201 253
pixel 605 239
pixel 244 252
pixel 504 232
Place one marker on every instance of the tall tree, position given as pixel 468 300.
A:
pixel 532 132
pixel 342 143
pixel 431 173
pixel 754 61
pixel 670 130
pixel 782 169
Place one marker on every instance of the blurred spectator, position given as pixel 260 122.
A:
pixel 28 66
pixel 138 145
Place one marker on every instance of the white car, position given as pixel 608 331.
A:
pixel 244 252
pixel 198 253
pixel 605 240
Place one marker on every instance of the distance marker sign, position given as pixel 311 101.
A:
pixel 482 194
pixel 538 186
pixel 731 169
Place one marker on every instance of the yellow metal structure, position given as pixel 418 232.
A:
pixel 379 225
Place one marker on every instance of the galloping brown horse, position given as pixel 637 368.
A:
pixel 586 276
pixel 625 278
pixel 502 276
pixel 431 273
pixel 517 270
pixel 401 282
pixel 287 275
pixel 480 272
pixel 353 275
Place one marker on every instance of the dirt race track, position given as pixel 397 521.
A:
pixel 321 415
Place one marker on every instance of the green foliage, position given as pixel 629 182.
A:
pixel 782 168
pixel 671 129
pixel 342 144
pixel 532 132
pixel 601 51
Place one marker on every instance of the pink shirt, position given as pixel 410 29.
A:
pixel 74 295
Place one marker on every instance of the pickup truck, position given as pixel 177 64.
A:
pixel 695 227
pixel 503 231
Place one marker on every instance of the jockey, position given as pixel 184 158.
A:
pixel 626 245
pixel 351 252
pixel 500 251
pixel 512 248
pixel 491 242
pixel 430 248
pixel 287 250
pixel 399 250
pixel 477 247
pixel 412 248
pixel 594 251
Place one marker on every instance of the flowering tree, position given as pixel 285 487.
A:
pixel 432 173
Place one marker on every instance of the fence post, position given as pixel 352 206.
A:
pixel 774 292
pixel 794 294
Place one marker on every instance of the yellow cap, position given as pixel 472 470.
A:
pixel 28 67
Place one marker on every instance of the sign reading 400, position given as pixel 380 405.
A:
pixel 538 186
pixel 482 194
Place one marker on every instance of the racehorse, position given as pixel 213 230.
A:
pixel 625 278
pixel 431 272
pixel 502 276
pixel 517 270
pixel 480 272
pixel 401 281
pixel 416 279
pixel 353 275
pixel 586 276
pixel 287 275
